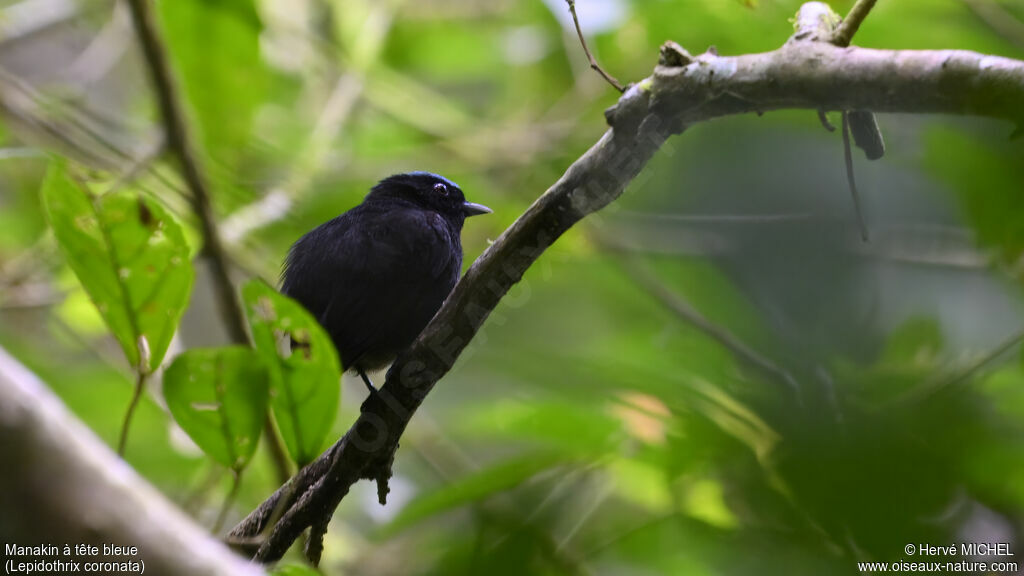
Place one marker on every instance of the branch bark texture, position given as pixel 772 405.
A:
pixel 808 75
pixel 682 91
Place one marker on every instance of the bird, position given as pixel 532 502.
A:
pixel 375 275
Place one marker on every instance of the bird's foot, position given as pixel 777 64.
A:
pixel 369 385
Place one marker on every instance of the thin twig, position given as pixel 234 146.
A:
pixel 593 63
pixel 930 389
pixel 1007 345
pixel 848 157
pixel 133 170
pixel 179 142
pixel 17 94
pixel 54 134
pixel 36 258
pixel 643 277
pixel 604 491
pixel 80 118
pixel 848 27
pixel 628 532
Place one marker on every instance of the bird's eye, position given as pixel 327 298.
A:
pixel 441 189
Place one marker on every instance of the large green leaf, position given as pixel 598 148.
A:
pixel 304 368
pixel 219 398
pixel 130 256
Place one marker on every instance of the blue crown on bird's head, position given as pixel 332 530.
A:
pixel 415 179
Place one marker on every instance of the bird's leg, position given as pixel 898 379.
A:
pixel 366 380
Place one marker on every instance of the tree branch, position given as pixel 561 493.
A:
pixel 682 91
pixel 82 493
pixel 813 75
pixel 365 451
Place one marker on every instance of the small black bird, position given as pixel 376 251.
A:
pixel 376 275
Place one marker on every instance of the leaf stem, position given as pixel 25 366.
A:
pixel 140 385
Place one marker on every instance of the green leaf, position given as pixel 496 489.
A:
pixel 475 487
pixel 130 256
pixel 304 368
pixel 219 398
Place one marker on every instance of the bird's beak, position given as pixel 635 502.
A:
pixel 474 209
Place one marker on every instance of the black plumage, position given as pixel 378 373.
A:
pixel 375 275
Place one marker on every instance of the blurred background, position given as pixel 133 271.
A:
pixel 715 375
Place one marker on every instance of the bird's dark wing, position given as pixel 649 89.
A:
pixel 374 279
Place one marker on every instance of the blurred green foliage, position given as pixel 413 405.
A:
pixel 589 428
